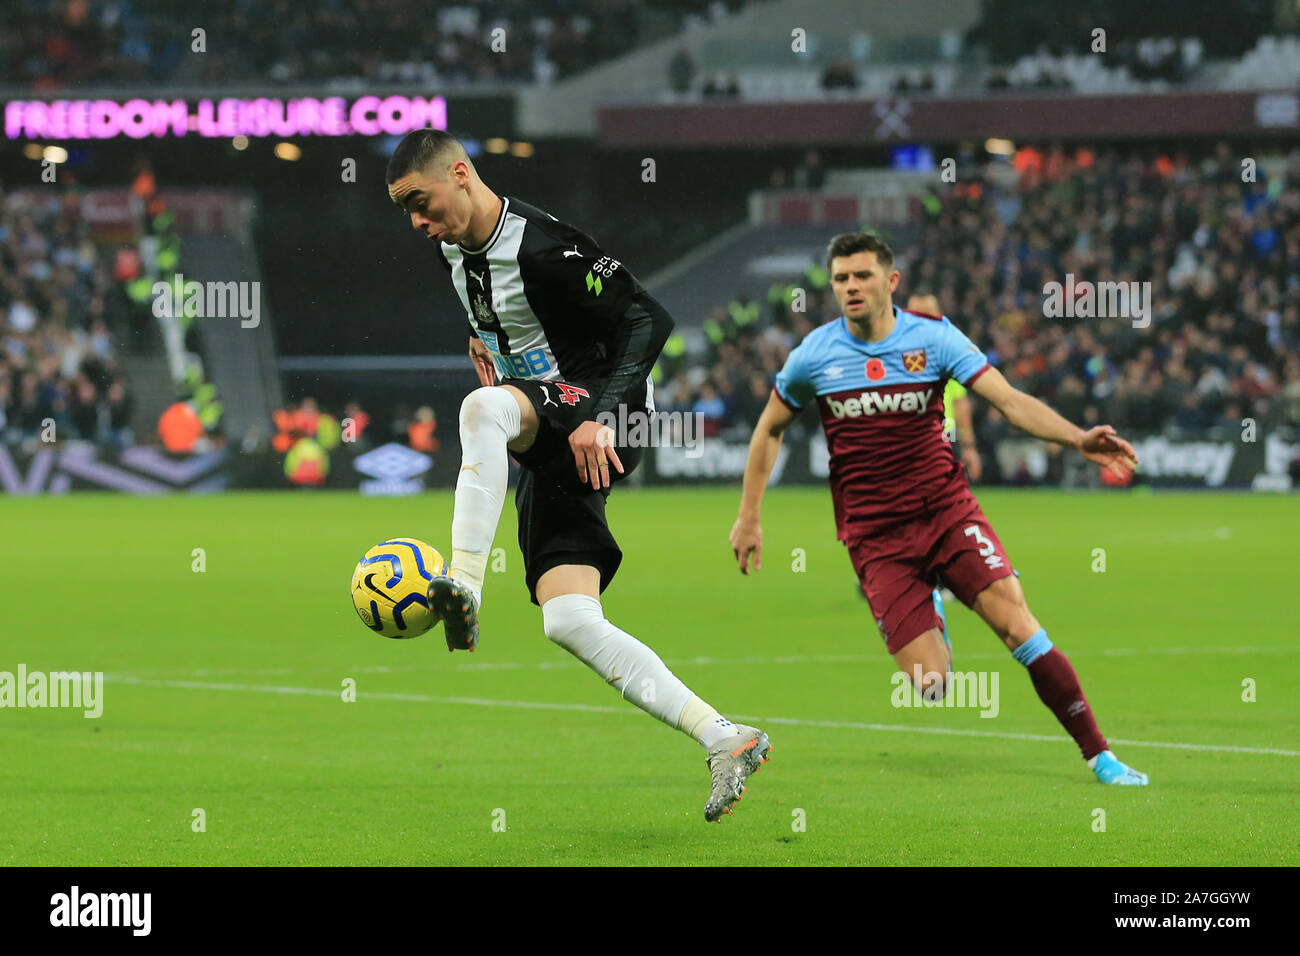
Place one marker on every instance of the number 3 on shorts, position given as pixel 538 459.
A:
pixel 986 546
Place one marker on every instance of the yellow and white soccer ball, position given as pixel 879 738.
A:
pixel 390 587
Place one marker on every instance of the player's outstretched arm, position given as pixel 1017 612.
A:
pixel 747 532
pixel 1100 444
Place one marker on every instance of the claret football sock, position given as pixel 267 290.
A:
pixel 1058 687
pixel 489 419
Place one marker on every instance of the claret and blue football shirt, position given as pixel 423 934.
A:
pixel 881 406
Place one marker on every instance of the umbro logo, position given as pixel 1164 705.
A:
pixel 834 372
pixel 393 470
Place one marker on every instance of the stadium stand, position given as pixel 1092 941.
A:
pixel 52 46
pixel 62 324
pixel 1221 255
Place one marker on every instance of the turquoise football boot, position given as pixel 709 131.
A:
pixel 1110 769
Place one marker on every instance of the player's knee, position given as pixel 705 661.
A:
pixel 486 406
pixel 933 685
pixel 476 408
pixel 564 618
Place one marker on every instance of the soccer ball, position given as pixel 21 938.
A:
pixel 390 587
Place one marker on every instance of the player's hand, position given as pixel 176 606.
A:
pixel 487 373
pixel 971 459
pixel 1103 446
pixel 593 450
pixel 747 539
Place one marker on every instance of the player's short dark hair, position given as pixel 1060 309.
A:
pixel 848 243
pixel 421 150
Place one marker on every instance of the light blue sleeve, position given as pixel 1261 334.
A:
pixel 794 382
pixel 959 357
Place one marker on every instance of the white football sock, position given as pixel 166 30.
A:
pixel 701 721
pixel 489 418
pixel 577 623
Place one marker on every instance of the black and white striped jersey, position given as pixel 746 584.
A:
pixel 549 304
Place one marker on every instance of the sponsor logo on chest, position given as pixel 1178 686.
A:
pixel 873 403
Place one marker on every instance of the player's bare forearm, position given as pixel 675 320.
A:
pixel 763 450
pixel 746 536
pixel 1026 412
pixel 1038 419
pixel 764 447
pixel 747 533
pixel 1098 444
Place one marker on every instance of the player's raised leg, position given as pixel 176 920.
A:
pixel 939 596
pixel 573 618
pixel 1003 606
pixel 907 608
pixel 493 420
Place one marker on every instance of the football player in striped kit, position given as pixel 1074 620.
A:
pixel 561 334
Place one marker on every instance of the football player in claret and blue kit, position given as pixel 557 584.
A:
pixel 561 334
pixel 902 505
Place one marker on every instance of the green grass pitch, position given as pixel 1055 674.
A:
pixel 223 693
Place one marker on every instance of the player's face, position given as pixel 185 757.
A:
pixel 862 287
pixel 439 206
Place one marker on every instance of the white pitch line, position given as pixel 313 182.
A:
pixel 812 659
pixel 598 709
pixel 369 695
pixel 561 663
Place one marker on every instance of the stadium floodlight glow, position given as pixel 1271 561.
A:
pixel 288 152
pixel 522 150
pixel 240 143
pixel 999 147
pixel 34 151
pixel 54 154
pixel 496 145
pixel 232 116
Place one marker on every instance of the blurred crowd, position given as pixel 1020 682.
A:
pixel 1165 59
pixel 305 419
pixel 53 45
pixel 1222 257
pixel 60 313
